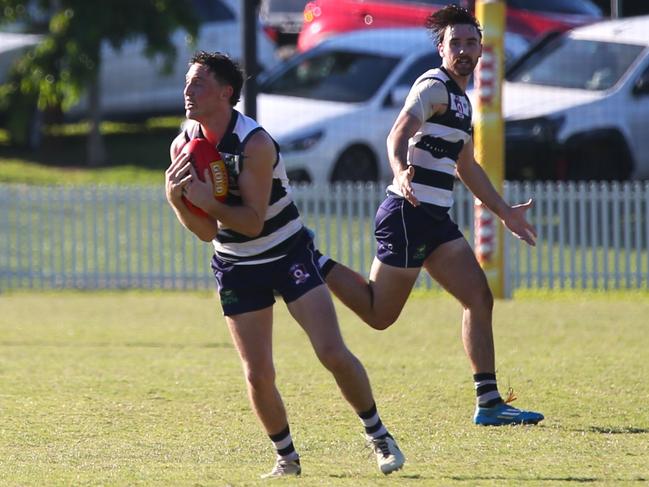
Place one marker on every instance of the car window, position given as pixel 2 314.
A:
pixel 418 67
pixel 332 75
pixel 578 63
pixel 642 82
pixel 582 7
pixel 441 3
pixel 282 6
pixel 213 11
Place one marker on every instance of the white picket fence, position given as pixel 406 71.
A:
pixel 591 236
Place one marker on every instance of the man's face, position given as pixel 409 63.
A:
pixel 203 93
pixel 461 49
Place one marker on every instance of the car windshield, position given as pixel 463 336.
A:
pixel 213 11
pixel 581 7
pixel 441 3
pixel 283 6
pixel 333 76
pixel 578 63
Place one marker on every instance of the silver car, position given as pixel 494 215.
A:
pixel 331 108
pixel 577 106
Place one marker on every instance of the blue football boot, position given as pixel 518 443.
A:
pixel 503 414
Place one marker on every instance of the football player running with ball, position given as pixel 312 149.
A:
pixel 262 247
pixel 429 142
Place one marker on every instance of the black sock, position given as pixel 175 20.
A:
pixel 374 427
pixel 486 389
pixel 283 444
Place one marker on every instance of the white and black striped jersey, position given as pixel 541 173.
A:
pixel 282 223
pixel 435 148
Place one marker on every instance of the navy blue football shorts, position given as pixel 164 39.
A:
pixel 406 235
pixel 246 288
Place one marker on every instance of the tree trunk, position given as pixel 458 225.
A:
pixel 96 150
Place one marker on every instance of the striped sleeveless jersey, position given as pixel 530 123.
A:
pixel 282 222
pixel 435 148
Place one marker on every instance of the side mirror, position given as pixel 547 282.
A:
pixel 398 95
pixel 641 86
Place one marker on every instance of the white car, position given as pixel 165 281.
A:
pixel 331 108
pixel 133 84
pixel 577 105
pixel 12 46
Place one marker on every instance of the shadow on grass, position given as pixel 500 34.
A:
pixel 466 478
pixel 112 344
pixel 604 430
pixel 471 479
pixel 608 430
pixel 400 476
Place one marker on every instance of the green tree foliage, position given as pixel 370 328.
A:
pixel 65 64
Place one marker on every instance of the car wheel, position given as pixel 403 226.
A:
pixel 603 159
pixel 356 163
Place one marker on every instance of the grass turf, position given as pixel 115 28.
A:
pixel 136 153
pixel 146 389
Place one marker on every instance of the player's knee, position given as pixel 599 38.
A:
pixel 481 300
pixel 334 358
pixel 487 299
pixel 260 378
pixel 382 321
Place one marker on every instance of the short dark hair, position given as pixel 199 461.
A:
pixel 438 21
pixel 224 69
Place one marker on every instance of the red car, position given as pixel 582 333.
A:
pixel 529 18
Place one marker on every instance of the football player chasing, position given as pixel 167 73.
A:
pixel 429 142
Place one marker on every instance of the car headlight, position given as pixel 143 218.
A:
pixel 542 129
pixel 301 143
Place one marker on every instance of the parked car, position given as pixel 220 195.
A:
pixel 24 131
pixel 331 108
pixel 12 46
pixel 134 85
pixel 577 105
pixel 529 18
pixel 533 18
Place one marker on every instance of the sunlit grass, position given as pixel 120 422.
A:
pixel 18 171
pixel 137 153
pixel 110 127
pixel 146 389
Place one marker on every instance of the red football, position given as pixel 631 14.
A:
pixel 205 156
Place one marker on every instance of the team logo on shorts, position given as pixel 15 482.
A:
pixel 298 273
pixel 228 296
pixel 420 252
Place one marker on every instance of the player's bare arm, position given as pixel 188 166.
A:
pixel 404 127
pixel 425 99
pixel 178 178
pixel 255 183
pixel 474 177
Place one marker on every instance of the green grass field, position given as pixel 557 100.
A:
pixel 137 153
pixel 146 389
